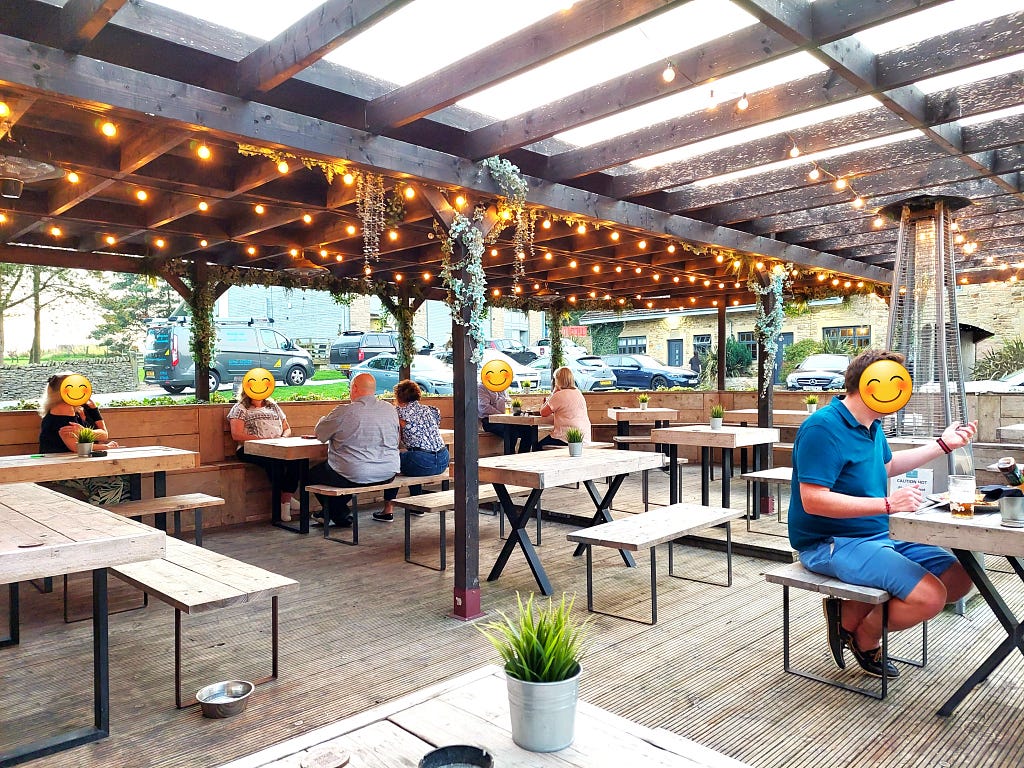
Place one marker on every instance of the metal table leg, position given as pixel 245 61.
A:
pixel 517 536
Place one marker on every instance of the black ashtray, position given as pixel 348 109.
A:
pixel 457 756
pixel 100 454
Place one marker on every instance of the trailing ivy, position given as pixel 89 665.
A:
pixel 605 337
pixel 768 325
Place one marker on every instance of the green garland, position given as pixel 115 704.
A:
pixel 768 325
pixel 338 286
pixel 555 315
pixel 465 297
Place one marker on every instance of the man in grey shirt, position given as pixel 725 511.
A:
pixel 362 447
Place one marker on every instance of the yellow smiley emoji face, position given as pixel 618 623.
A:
pixel 75 390
pixel 496 375
pixel 258 384
pixel 885 386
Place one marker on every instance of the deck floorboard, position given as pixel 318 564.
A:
pixel 366 627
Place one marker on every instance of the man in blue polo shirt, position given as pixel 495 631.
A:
pixel 838 514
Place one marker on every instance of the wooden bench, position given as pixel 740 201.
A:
pixel 795 575
pixel 776 477
pixel 195 580
pixel 648 530
pixel 160 506
pixel 442 502
pixel 398 481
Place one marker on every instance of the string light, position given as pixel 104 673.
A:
pixel 392 235
pixel 142 195
pixel 494 251
pixel 619 269
pixel 548 256
pixel 73 177
pixel 367 270
pixel 496 292
pixel 350 229
pixel 307 219
pixel 814 174
pixel 348 179
pixel 5 111
pixel 260 210
pixel 398 277
pixel 460 201
pixel 3 218
pixel 794 151
pixel 743 103
pixel 323 253
pixel 203 243
pixel 879 222
pixel 110 240
pixel 294 253
pixel 339 257
pixel 669 73
pixel 858 202
pixel 840 183
pixel 282 167
pixel 159 242
pixel 573 263
pixel 597 269
pixel 638 270
pixel 427 276
pixel 642 245
pixel 582 229
pixel 203 205
pixel 203 152
pixel 55 231
pixel 108 129
pixel 410 193
pixel 614 235
pixel 251 250
pixel 546 224
pixel 671 248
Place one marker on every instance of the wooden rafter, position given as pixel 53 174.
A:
pixel 82 20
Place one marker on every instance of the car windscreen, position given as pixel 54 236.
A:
pixel 589 362
pixel 825 363
pixel 648 362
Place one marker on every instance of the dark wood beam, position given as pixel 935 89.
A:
pixel 308 40
pixel 64 259
pixel 538 43
pixel 944 53
pixel 82 20
pixel 41 70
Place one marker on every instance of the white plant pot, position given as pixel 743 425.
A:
pixel 811 407
pixel 643 406
pixel 543 714
pixel 575 449
pixel 716 424
pixel 85 449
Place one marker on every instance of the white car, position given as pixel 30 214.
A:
pixel 590 372
pixel 569 348
pixel 1012 382
pixel 524 378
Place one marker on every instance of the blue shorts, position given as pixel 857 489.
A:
pixel 877 561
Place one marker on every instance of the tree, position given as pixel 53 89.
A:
pixel 50 285
pixel 11 276
pixel 127 302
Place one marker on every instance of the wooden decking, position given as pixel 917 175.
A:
pixel 365 627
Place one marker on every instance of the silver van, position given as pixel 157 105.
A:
pixel 240 345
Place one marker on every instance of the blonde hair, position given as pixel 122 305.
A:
pixel 51 392
pixel 563 378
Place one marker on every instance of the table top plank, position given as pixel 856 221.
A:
pixel 44 533
pixel 546 469
pixel 638 416
pixel 48 467
pixel 726 437
pixel 781 417
pixel 981 533
pixel 297 447
pixel 523 419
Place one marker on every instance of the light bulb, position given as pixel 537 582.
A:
pixel 350 229
pixel 73 177
pixel 142 195
pixel 794 151
pixel 460 201
pixel 858 202
pixel 5 111
pixel 742 104
pixel 108 129
pixel 392 235
pixel 323 253
pixel 294 253
pixel 841 183
pixel 879 222
pixel 306 218
pixel 814 174
pixel 642 245
pixel 260 210
pixel 546 224
pixel 55 231
pixel 615 235
pixel 669 73
pixel 671 248
pixel 111 240
pixel 159 242
pixel 410 193
pixel 203 152
pixel 582 229
pixel 251 250
pixel 203 205
pixel 203 243
pixel 282 167
pixel 348 179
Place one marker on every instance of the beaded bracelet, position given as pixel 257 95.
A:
pixel 942 444
pixel 888 506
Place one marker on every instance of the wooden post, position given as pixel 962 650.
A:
pixel 201 307
pixel 721 347
pixel 765 400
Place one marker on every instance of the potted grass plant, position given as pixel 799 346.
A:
pixel 86 437
pixel 643 398
pixel 517 406
pixel 811 401
pixel 717 414
pixel 541 649
pixel 574 438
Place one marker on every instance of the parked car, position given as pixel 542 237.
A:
pixel 644 372
pixel 569 348
pixel 354 347
pixel 513 349
pixel 591 373
pixel 239 345
pixel 433 376
pixel 1011 382
pixel 819 372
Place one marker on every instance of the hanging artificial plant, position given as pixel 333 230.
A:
pixel 372 209
pixel 330 168
pixel 513 210
pixel 768 325
pixel 462 250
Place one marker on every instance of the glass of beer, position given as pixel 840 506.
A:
pixel 962 492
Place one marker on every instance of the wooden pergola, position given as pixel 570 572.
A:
pixel 686 233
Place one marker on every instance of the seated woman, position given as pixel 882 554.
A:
pixel 58 433
pixel 568 407
pixel 425 452
pixel 260 419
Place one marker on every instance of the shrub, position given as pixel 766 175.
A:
pixel 1006 358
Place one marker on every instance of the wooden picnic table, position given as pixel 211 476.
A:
pixel 624 417
pixel 726 438
pixel 302 449
pixel 965 536
pixel 533 421
pixel 472 708
pixel 547 469
pixel 781 417
pixel 44 534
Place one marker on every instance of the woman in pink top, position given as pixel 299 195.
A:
pixel 567 405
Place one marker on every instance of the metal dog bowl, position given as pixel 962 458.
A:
pixel 224 699
pixel 457 756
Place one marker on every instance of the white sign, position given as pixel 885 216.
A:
pixel 919 477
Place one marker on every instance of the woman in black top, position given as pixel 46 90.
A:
pixel 58 433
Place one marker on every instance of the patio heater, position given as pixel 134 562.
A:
pixel 923 324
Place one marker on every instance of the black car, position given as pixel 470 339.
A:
pixel 353 347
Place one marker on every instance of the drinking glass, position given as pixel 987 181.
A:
pixel 961 495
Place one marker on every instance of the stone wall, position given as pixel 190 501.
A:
pixel 107 374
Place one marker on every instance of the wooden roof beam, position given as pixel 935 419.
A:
pixel 307 41
pixel 895 70
pixel 82 20
pixel 17 107
pixel 37 68
pixel 537 44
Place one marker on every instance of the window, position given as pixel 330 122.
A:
pixel 749 340
pixel 636 345
pixel 270 340
pixel 857 335
pixel 701 343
